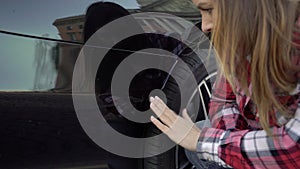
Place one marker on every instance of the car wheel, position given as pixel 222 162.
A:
pixel 175 158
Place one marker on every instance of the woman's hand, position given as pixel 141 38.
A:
pixel 181 130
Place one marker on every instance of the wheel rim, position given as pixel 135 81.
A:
pixel 202 85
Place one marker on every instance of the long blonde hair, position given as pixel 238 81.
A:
pixel 258 32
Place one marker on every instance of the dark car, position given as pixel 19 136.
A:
pixel 41 42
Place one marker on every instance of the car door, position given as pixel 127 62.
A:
pixel 39 45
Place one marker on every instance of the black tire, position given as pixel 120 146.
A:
pixel 165 160
pixel 175 157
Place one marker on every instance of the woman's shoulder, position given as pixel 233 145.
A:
pixel 297 89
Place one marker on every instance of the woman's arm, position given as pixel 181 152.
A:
pixel 238 149
pixel 255 148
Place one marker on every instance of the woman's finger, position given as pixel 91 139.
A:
pixel 161 107
pixel 168 112
pixel 166 115
pixel 159 125
pixel 161 115
pixel 186 116
pixel 155 109
pixel 159 101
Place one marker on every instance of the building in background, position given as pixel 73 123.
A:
pixel 70 28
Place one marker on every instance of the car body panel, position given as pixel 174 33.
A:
pixel 39 44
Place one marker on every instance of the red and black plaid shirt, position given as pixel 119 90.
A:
pixel 237 139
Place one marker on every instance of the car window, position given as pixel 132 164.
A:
pixel 36 17
pixel 40 40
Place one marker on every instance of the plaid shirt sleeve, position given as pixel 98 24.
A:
pixel 224 115
pixel 224 110
pixel 242 148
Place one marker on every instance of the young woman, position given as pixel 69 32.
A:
pixel 255 107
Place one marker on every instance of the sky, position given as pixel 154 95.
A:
pixel 33 17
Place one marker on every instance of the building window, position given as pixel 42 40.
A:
pixel 72 36
pixel 80 26
pixel 69 27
